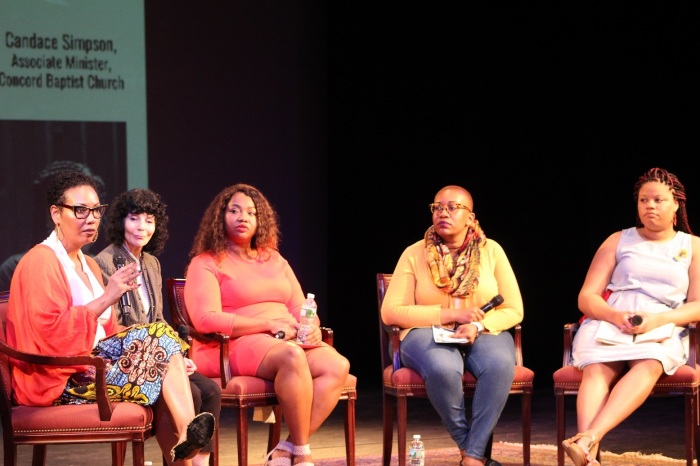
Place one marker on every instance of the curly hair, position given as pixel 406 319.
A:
pixel 677 189
pixel 211 236
pixel 62 181
pixel 138 201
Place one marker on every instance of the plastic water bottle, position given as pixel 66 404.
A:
pixel 416 454
pixel 306 317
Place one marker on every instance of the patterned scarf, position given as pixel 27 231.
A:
pixel 460 277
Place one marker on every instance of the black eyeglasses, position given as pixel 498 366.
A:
pixel 451 208
pixel 81 211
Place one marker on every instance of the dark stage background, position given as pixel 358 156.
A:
pixel 350 116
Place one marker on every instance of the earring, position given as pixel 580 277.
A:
pixel 57 229
pixel 675 220
pixel 97 233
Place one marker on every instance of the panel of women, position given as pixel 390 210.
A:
pixel 239 284
pixel 646 271
pixel 59 305
pixel 455 260
pixel 137 229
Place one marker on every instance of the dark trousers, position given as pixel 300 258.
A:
pixel 206 395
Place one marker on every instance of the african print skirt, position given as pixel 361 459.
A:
pixel 138 360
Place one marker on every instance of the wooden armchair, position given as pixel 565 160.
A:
pixel 401 383
pixel 684 382
pixel 101 422
pixel 243 392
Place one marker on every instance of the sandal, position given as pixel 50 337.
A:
pixel 280 460
pixel 580 455
pixel 302 450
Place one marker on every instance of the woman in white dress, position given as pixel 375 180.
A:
pixel 646 271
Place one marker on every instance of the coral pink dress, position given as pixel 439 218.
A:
pixel 216 293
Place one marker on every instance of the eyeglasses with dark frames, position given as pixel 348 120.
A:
pixel 81 211
pixel 451 208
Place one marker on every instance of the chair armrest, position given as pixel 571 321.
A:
pixel 570 330
pixel 518 342
pixel 222 340
pixel 395 346
pixel 694 339
pixel 103 404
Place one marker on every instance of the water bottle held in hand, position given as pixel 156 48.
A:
pixel 306 317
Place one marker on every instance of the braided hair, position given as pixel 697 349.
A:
pixel 677 189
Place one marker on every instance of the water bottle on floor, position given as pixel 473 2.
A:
pixel 416 454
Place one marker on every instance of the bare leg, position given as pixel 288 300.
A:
pixel 166 434
pixel 287 367
pixel 329 370
pixel 178 396
pixel 628 394
pixel 594 391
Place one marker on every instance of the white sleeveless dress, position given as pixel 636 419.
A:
pixel 650 277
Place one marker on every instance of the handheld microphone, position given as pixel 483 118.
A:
pixel 183 331
pixel 124 301
pixel 636 320
pixel 495 301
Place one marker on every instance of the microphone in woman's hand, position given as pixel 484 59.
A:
pixel 636 320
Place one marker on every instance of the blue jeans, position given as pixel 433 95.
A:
pixel 491 359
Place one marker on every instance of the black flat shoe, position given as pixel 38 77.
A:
pixel 490 462
pixel 199 433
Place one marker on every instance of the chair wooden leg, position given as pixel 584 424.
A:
pixel 273 435
pixel 138 452
pixel 401 420
pixel 242 436
pixel 9 453
pixel 526 409
pixel 214 457
pixel 118 453
pixel 690 407
pixel 39 455
pixel 350 431
pixel 561 425
pixel 388 428
pixel 489 447
pixel 696 427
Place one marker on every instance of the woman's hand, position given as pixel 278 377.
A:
pixel 314 337
pixel 289 330
pixel 190 366
pixel 121 281
pixel 470 314
pixel 625 322
pixel 467 331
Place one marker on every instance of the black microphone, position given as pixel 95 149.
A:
pixel 636 320
pixel 124 301
pixel 183 331
pixel 495 301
